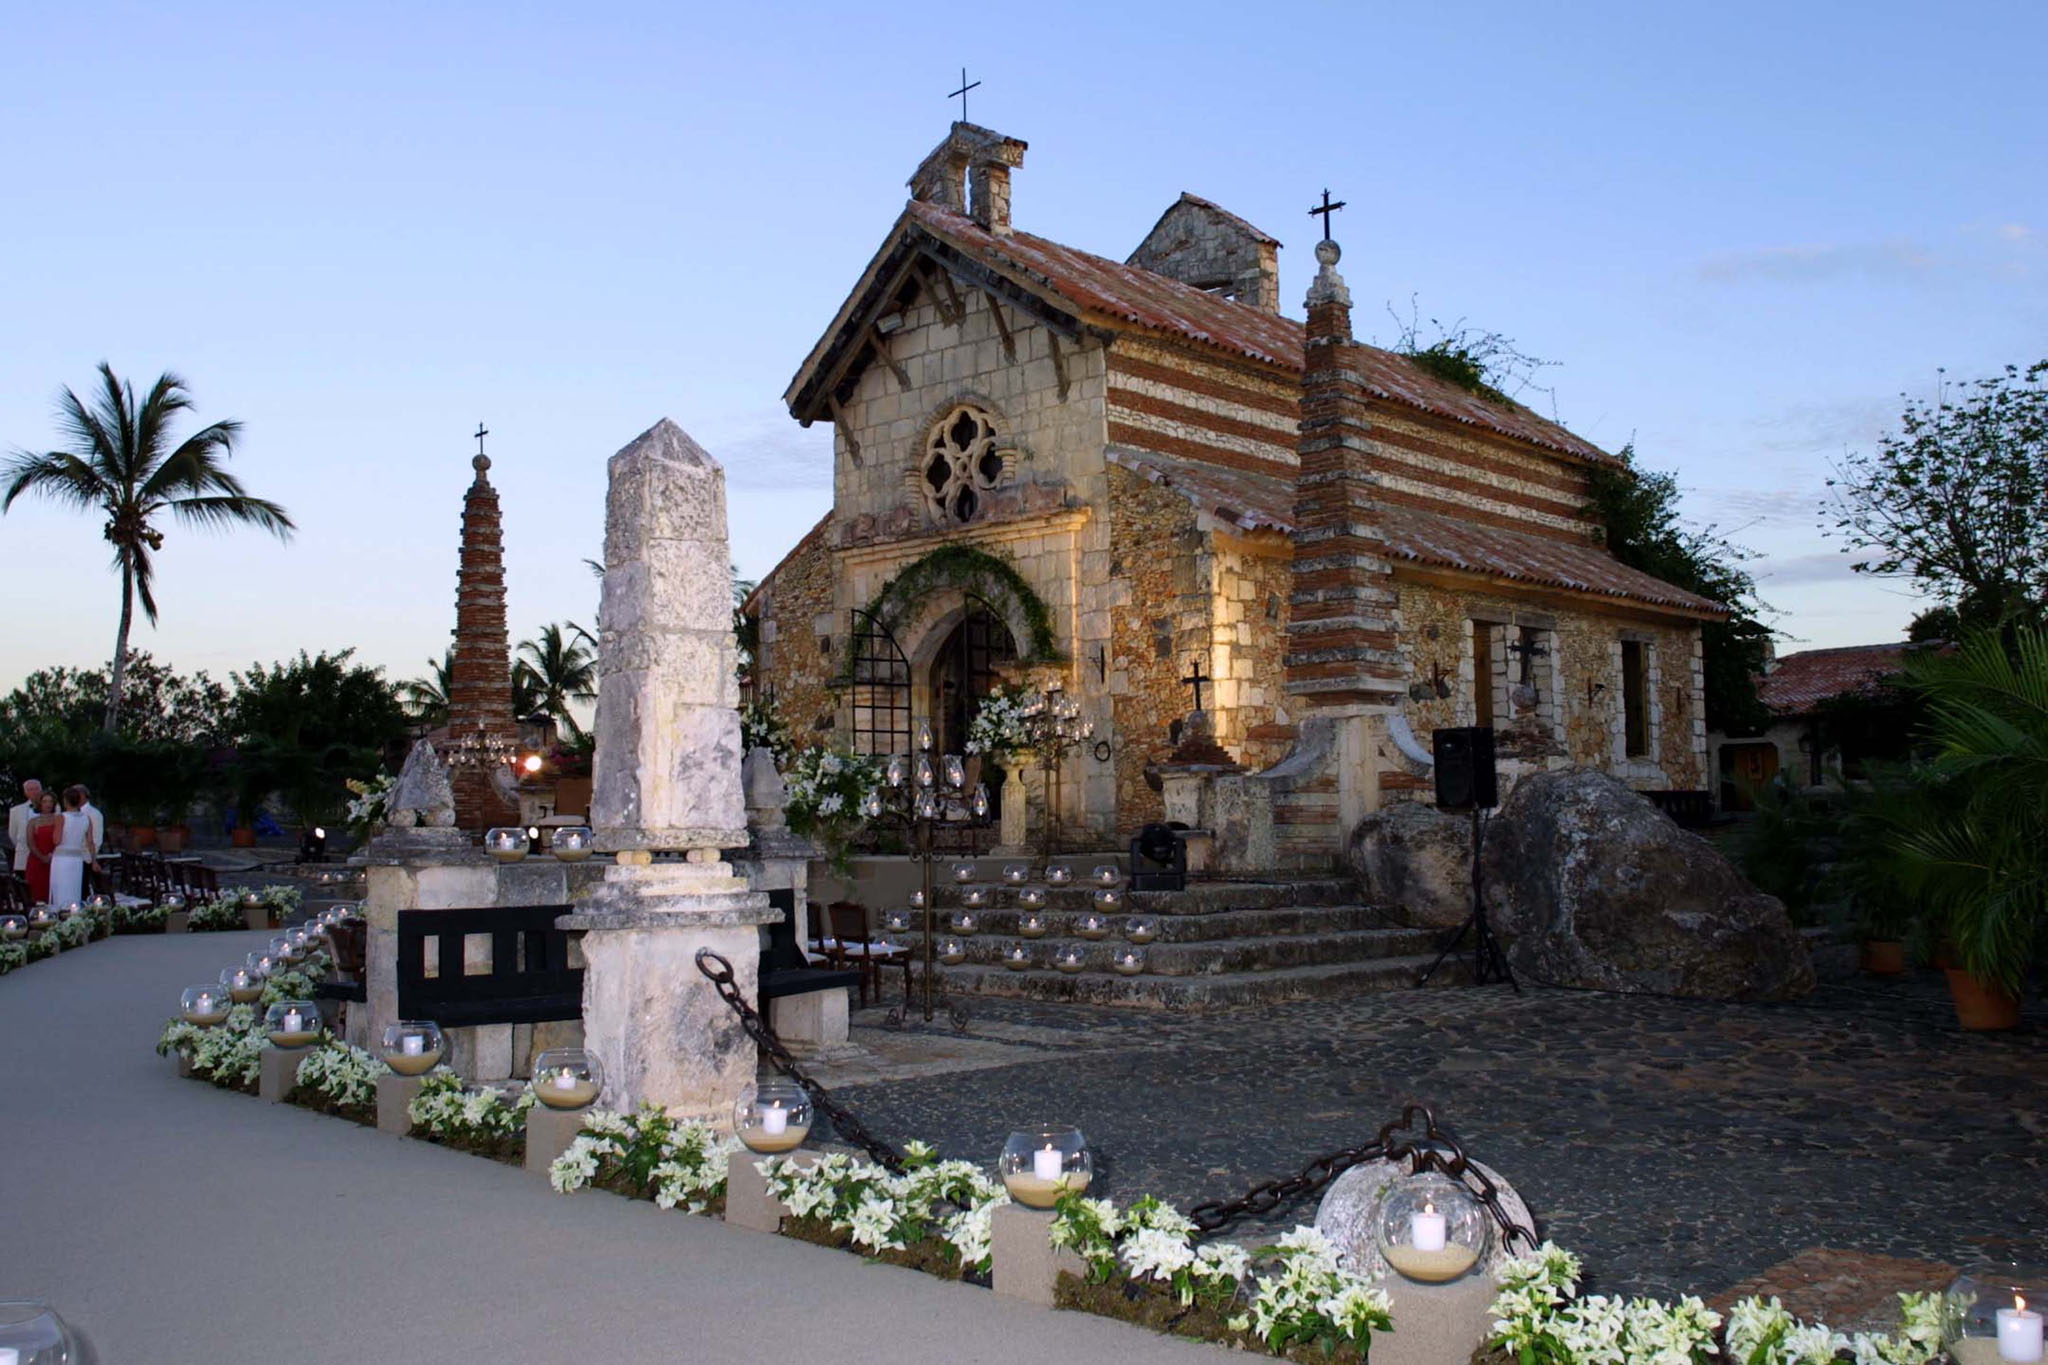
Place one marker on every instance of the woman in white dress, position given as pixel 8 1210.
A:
pixel 74 851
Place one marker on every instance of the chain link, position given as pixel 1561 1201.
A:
pixel 718 971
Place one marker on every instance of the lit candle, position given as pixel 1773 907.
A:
pixel 292 1022
pixel 1048 1164
pixel 1426 1229
pixel 566 1080
pixel 413 1045
pixel 2019 1332
pixel 775 1119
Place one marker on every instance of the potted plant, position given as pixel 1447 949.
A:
pixel 182 772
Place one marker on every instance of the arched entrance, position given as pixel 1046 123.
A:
pixel 966 667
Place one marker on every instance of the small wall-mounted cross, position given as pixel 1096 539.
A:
pixel 481 432
pixel 961 93
pixel 1324 210
pixel 1195 678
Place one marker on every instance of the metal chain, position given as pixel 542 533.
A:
pixel 1263 1199
pixel 718 971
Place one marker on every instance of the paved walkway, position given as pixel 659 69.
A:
pixel 183 1225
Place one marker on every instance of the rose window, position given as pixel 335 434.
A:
pixel 962 465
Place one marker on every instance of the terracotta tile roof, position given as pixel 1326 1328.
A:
pixel 1426 538
pixel 1802 681
pixel 1128 296
pixel 1259 502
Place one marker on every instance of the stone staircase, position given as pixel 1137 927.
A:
pixel 1219 944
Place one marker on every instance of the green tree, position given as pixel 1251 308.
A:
pixel 426 698
pixel 1639 510
pixel 554 670
pixel 120 461
pixel 305 726
pixel 1956 500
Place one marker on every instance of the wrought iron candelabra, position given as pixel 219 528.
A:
pixel 921 792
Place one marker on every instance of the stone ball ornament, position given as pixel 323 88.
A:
pixel 1374 1196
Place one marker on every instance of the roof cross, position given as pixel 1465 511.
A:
pixel 481 432
pixel 961 93
pixel 1324 210
pixel 1195 678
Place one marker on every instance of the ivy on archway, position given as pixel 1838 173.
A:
pixel 993 579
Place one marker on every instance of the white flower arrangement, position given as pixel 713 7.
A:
pixel 1001 726
pixel 1309 1298
pixel 370 803
pixel 12 956
pixel 951 1201
pixel 447 1109
pixel 682 1164
pixel 75 932
pixel 343 1075
pixel 222 913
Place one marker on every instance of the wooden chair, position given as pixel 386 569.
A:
pixel 203 880
pixel 851 945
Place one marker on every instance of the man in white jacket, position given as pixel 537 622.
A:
pixel 96 824
pixel 17 822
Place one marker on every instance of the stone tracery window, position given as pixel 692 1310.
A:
pixel 962 464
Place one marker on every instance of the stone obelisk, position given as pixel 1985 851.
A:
pixel 480 663
pixel 667 795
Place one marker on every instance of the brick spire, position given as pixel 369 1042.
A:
pixel 1341 646
pixel 480 677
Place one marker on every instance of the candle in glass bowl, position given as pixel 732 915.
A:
pixel 1016 874
pixel 2019 1332
pixel 963 872
pixel 1047 1164
pixel 952 952
pixel 1017 959
pixel 412 1045
pixel 1059 874
pixel 1107 875
pixel 1031 926
pixel 974 896
pixel 1092 926
pixel 1130 962
pixel 774 1120
pixel 1031 898
pixel 1427 1228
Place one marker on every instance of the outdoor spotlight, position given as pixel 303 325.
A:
pixel 530 764
pixel 533 839
pixel 313 845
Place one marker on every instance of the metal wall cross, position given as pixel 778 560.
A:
pixel 481 432
pixel 961 93
pixel 1195 678
pixel 1324 210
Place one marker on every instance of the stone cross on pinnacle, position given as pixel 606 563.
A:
pixel 961 93
pixel 1323 211
pixel 481 432
pixel 1195 678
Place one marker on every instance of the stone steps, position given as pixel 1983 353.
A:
pixel 1179 928
pixel 1213 957
pixel 1208 992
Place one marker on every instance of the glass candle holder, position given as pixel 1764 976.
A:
pixel 966 922
pixel 924 774
pixel 173 904
pixel 1016 874
pixel 1128 962
pixel 924 736
pixel 896 922
pixel 1017 958
pixel 242 984
pixel 281 949
pixel 1058 874
pixel 100 903
pixel 324 879
pixel 1070 959
pixel 963 872
pixel 952 952
pixel 927 806
pixel 871 805
pixel 205 1006
pixel 573 843
pixel 292 1023
pixel 31 1333
pixel 42 918
pixel 1092 926
pixel 1998 1303
pixel 506 844
pixel 1031 898
pixel 13 927
pixel 567 1077
pixel 301 941
pixel 897 770
pixel 978 803
pixel 70 910
pixel 1032 925
pixel 1041 1163
pixel 413 1047
pixel 1107 900
pixel 772 1116
pixel 1431 1229
pixel 917 900
pixel 251 900
pixel 975 897
pixel 1107 875
pixel 956 771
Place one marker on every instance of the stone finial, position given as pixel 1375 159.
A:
pixel 1328 287
pixel 667 768
pixel 422 796
pixel 767 793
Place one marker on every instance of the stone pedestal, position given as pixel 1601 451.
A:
pixel 184 1065
pixel 1434 1323
pixel 1024 1263
pixel 176 921
pixel 1016 803
pixel 811 1022
pixel 280 1072
pixel 549 1133
pixel 394 1094
pixel 256 917
pixel 652 1018
pixel 747 1201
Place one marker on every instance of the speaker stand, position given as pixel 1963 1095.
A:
pixel 1489 963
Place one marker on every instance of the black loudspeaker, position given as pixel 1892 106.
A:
pixel 1464 768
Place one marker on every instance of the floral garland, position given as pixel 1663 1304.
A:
pixel 140 919
pixel 1539 1320
pixel 219 915
pixel 949 1203
pixel 647 1155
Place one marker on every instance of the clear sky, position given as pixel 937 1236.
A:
pixel 1740 230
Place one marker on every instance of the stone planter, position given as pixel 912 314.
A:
pixel 171 838
pixel 1884 957
pixel 1982 1006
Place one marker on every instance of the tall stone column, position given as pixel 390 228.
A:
pixel 667 795
pixel 480 674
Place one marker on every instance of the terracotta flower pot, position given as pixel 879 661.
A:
pixel 241 836
pixel 171 838
pixel 1884 957
pixel 1982 1006
pixel 141 836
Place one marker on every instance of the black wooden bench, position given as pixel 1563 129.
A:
pixel 530 980
pixel 784 969
pixel 1691 810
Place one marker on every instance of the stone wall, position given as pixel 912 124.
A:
pixel 1161 625
pixel 1195 406
pixel 802 637
pixel 1436 465
pixel 1205 246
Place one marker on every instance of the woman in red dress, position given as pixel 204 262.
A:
pixel 43 830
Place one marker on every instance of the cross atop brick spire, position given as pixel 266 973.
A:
pixel 480 675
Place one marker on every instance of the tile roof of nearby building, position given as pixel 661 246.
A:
pixel 1130 296
pixel 1802 681
pixel 1260 502
pixel 1250 230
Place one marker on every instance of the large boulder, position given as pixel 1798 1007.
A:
pixel 1599 888
pixel 1416 862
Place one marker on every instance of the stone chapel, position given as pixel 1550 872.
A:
pixel 1057 467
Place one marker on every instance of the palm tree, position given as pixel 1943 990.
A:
pixel 427 698
pixel 558 668
pixel 120 461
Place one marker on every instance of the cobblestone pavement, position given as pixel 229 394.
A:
pixel 1678 1146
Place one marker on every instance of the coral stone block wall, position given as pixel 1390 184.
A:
pixel 802 637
